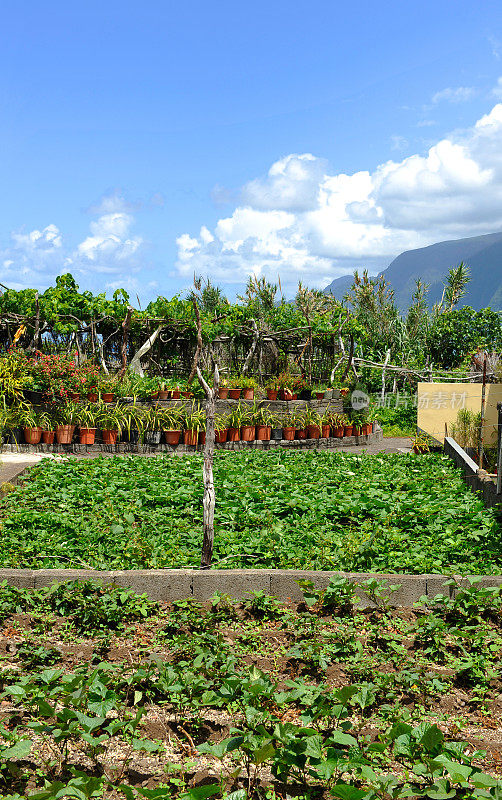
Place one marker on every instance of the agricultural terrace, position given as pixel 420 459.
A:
pixel 303 510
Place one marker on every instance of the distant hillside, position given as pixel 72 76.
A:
pixel 482 254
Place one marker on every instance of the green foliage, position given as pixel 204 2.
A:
pixel 308 510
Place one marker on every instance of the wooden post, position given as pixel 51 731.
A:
pixel 483 395
pixel 123 345
pixel 209 500
pixel 382 396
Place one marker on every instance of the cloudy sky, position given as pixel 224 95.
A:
pixel 143 142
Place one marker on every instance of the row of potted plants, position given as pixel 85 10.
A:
pixel 185 423
pixel 48 377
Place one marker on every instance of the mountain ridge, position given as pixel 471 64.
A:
pixel 482 254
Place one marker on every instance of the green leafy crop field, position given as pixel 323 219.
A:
pixel 311 510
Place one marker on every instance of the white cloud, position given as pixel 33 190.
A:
pixel 461 94
pixel 497 90
pixel 37 257
pixel 303 222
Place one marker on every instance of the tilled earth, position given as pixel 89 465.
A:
pixel 210 698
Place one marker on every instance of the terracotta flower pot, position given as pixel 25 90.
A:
pixel 356 430
pixel 175 394
pixel 248 433
pixel 190 437
pixel 263 433
pixel 221 436
pixel 339 431
pixel 325 431
pixel 287 394
pixel 154 395
pixel 48 437
pixel 347 430
pixel 108 397
pixel 272 394
pixel 109 437
pixel 93 397
pixel 319 395
pixel 223 392
pixel 202 437
pixel 187 394
pixel 313 432
pixel 248 394
pixel 288 434
pixel 369 428
pixel 172 437
pixel 234 435
pixel 64 434
pixel 87 435
pixel 163 394
pixel 301 433
pixel 234 394
pixel 32 435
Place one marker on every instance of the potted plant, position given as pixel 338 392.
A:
pixel 234 388
pixel 288 427
pixel 300 424
pixel 111 420
pixel 312 423
pixel 164 392
pixel 234 421
pixel 221 428
pixel 67 418
pixel 248 427
pixel 348 427
pixel 277 432
pixel 326 423
pixel 263 421
pixel 47 424
pixel 318 392
pixel 223 389
pixel 248 385
pixel 133 416
pixel 420 444
pixel 152 426
pixel 87 424
pixel 107 390
pixel 337 422
pixel 193 421
pixel 171 420
pixel 272 387
pixel 29 421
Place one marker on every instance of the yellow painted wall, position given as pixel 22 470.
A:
pixel 439 403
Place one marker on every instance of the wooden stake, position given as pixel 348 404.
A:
pixel 209 500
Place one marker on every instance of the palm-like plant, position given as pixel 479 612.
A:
pixel 236 416
pixel 194 418
pixel 110 417
pixel 67 414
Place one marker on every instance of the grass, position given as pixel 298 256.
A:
pixel 310 510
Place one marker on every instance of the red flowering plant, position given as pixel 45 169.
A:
pixel 58 376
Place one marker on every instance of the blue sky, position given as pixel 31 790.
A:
pixel 138 140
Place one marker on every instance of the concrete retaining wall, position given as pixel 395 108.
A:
pixel 478 480
pixel 180 584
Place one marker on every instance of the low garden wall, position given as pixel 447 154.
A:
pixel 477 479
pixel 180 584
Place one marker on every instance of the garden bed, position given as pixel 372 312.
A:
pixel 106 692
pixel 280 510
